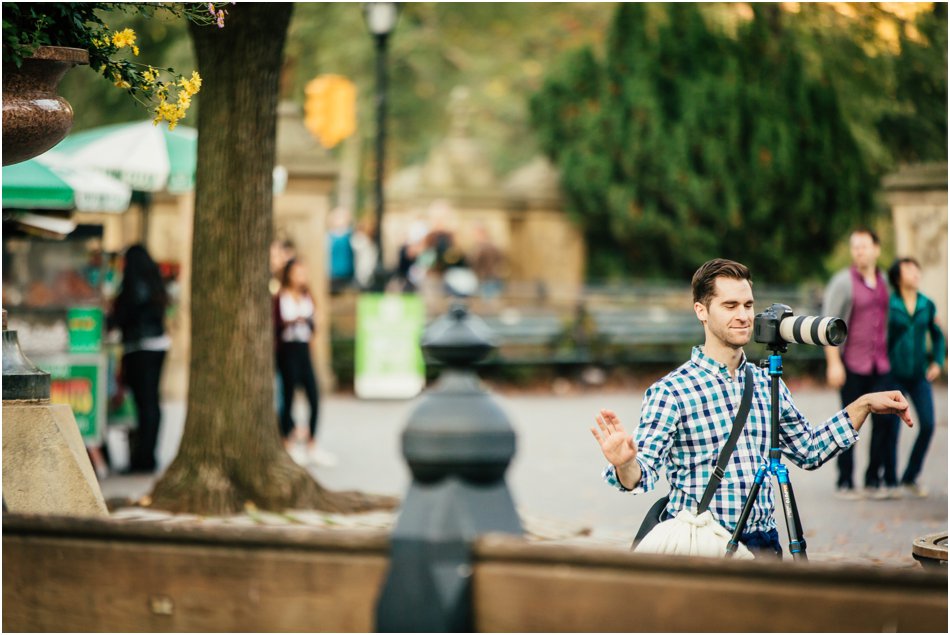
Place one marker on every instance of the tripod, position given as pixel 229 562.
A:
pixel 796 538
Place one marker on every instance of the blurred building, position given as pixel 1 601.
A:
pixel 522 213
pixel 917 195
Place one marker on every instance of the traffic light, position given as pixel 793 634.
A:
pixel 330 109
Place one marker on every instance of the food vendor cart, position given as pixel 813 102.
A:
pixel 55 292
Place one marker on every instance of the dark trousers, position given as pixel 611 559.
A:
pixel 296 369
pixel 920 392
pixel 141 372
pixel 882 462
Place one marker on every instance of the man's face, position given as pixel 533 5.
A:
pixel 864 253
pixel 730 313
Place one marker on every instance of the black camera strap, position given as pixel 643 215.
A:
pixel 727 450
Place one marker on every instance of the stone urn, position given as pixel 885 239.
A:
pixel 35 118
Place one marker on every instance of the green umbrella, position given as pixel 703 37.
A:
pixel 149 157
pixel 36 184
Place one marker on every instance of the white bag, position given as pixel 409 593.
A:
pixel 690 535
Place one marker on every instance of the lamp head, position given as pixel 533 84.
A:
pixel 380 17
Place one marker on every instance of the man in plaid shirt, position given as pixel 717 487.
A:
pixel 687 416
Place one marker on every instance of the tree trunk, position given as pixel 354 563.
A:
pixel 230 452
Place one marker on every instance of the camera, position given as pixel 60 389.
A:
pixel 777 326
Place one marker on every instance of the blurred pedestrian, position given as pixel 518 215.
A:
pixel 365 252
pixel 912 317
pixel 409 271
pixel 281 252
pixel 859 295
pixel 294 328
pixel 488 263
pixel 139 312
pixel 340 250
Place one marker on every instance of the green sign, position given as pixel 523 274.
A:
pixel 79 385
pixel 85 329
pixel 389 363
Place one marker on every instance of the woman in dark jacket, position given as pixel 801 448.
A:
pixel 911 317
pixel 139 312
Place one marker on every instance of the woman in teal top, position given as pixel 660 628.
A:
pixel 911 317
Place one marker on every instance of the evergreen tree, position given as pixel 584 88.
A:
pixel 686 143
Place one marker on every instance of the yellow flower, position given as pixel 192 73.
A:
pixel 135 50
pixel 150 75
pixel 191 86
pixel 184 100
pixel 118 81
pixel 168 112
pixel 125 37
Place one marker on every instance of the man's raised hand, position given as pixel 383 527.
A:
pixel 618 447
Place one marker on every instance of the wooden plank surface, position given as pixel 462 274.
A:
pixel 522 587
pixel 119 579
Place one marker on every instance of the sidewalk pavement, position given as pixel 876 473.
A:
pixel 556 483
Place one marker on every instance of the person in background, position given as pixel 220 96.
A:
pixel 340 250
pixel 139 312
pixel 365 253
pixel 859 296
pixel 912 317
pixel 409 271
pixel 294 328
pixel 281 252
pixel 488 263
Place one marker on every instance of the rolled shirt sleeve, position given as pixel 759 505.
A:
pixel 659 418
pixel 809 447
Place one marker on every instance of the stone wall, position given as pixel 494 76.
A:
pixel 917 195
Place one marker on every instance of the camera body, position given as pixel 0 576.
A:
pixel 766 326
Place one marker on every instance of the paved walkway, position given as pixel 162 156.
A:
pixel 555 476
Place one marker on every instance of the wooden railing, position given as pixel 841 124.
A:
pixel 107 575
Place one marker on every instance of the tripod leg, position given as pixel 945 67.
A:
pixel 733 544
pixel 796 536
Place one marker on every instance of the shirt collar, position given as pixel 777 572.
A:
pixel 704 361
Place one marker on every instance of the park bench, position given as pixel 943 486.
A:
pixel 607 325
pixel 645 333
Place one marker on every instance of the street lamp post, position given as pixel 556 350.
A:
pixel 380 20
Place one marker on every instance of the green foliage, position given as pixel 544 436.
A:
pixel 162 37
pixel 27 26
pixel 917 130
pixel 497 50
pixel 686 143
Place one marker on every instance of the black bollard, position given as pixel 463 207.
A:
pixel 458 443
pixel 22 380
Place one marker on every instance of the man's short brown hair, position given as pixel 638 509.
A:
pixel 870 232
pixel 704 280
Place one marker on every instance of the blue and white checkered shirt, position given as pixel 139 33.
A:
pixel 685 420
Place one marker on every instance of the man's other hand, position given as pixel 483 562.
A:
pixel 618 447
